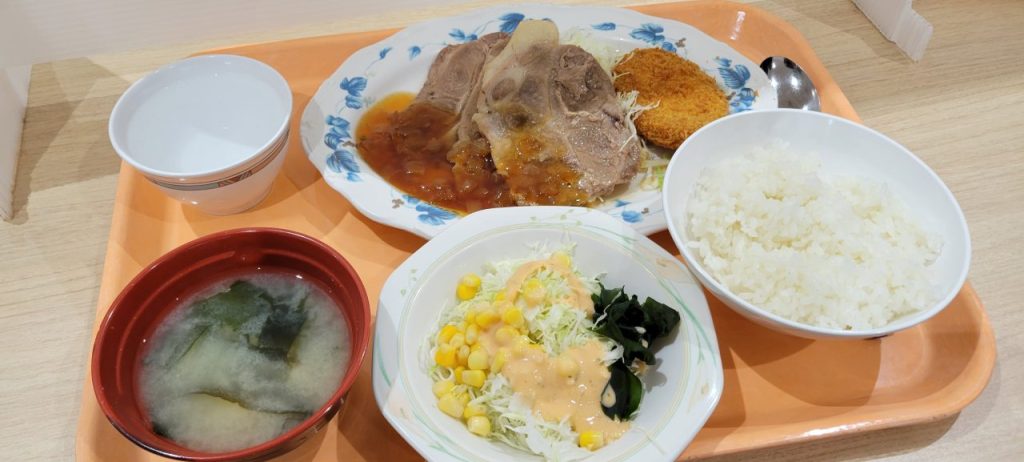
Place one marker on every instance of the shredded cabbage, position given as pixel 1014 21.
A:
pixel 603 51
pixel 556 327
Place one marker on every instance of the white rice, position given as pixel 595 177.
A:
pixel 834 252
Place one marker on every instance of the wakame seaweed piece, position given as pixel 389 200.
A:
pixel 160 429
pixel 660 320
pixel 625 333
pixel 232 308
pixel 281 328
pixel 176 345
pixel 186 348
pixel 606 297
pixel 621 396
pixel 634 326
pixel 299 414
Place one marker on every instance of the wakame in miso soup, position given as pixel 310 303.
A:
pixel 244 361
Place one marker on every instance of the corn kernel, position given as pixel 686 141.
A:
pixel 449 404
pixel 499 296
pixel 505 335
pixel 465 292
pixel 457 340
pixel 502 306
pixel 567 367
pixel 471 280
pixel 513 317
pixel 478 360
pixel 473 410
pixel 463 398
pixel 478 347
pixel 443 388
pixel 500 358
pixel 470 318
pixel 445 355
pixel 562 259
pixel 486 318
pixel 534 291
pixel 474 378
pixel 457 376
pixel 591 440
pixel 472 334
pixel 479 425
pixel 462 355
pixel 461 326
pixel 446 333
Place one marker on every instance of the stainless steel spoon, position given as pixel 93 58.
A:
pixel 794 87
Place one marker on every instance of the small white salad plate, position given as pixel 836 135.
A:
pixel 400 63
pixel 681 389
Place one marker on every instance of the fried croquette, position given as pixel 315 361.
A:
pixel 686 97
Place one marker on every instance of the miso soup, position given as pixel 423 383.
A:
pixel 244 361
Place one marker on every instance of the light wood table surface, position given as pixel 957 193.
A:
pixel 960 109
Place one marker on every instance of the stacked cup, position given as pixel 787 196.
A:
pixel 210 131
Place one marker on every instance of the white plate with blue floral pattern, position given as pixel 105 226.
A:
pixel 401 62
pixel 680 390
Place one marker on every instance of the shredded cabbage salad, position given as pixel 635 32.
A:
pixel 555 326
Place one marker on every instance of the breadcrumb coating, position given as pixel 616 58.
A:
pixel 686 97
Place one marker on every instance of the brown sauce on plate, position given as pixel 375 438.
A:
pixel 547 182
pixel 412 145
pixel 406 144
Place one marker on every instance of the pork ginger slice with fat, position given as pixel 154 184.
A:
pixel 550 113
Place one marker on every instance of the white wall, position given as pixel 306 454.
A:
pixel 36 31
pixel 33 31
pixel 13 97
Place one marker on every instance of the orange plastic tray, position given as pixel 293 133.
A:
pixel 778 389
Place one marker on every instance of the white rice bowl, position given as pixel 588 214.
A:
pixel 840 252
pixel 837 232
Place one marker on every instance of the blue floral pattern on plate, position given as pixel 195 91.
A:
pixel 400 63
pixel 353 91
pixel 733 77
pixel 339 138
pixel 629 212
pixel 428 214
pixel 652 34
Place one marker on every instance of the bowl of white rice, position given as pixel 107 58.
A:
pixel 814 225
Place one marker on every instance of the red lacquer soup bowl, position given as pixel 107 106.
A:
pixel 159 288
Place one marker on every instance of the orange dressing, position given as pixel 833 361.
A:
pixel 565 387
pixel 580 296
